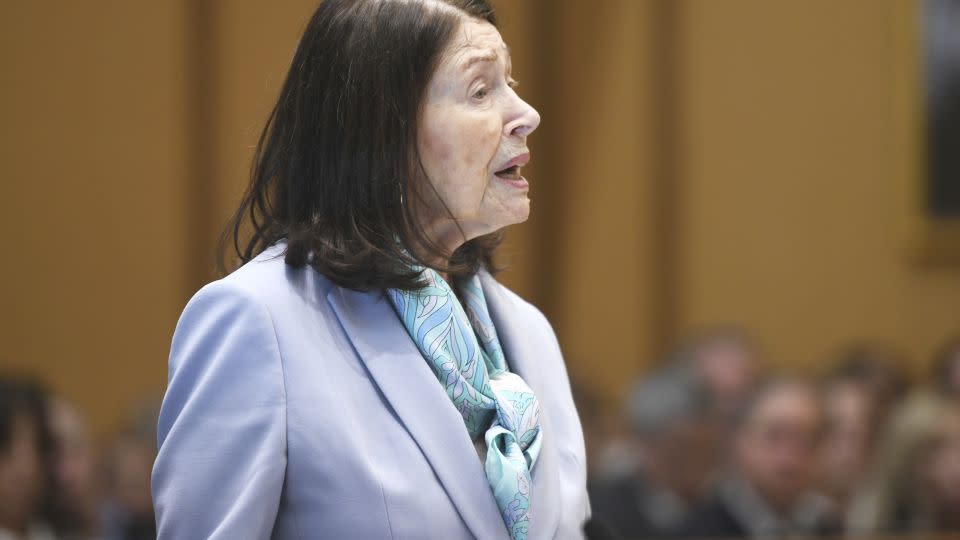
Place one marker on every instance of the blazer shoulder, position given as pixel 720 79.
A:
pixel 269 280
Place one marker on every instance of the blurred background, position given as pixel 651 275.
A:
pixel 745 230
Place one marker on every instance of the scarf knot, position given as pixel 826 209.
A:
pixel 460 343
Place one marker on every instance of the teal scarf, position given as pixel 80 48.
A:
pixel 461 345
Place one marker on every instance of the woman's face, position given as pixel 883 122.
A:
pixel 21 474
pixel 844 452
pixel 473 139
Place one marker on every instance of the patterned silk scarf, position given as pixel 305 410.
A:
pixel 461 345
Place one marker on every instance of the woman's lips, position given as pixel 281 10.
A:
pixel 518 182
pixel 510 173
pixel 517 161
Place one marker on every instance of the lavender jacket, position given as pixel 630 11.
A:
pixel 298 409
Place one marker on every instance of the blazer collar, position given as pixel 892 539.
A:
pixel 526 356
pixel 406 380
pixel 397 367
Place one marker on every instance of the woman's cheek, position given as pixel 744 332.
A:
pixel 480 149
pixel 492 130
pixel 436 146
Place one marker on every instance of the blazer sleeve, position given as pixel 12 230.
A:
pixel 222 442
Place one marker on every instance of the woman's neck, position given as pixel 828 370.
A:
pixel 445 234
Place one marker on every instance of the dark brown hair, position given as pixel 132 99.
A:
pixel 337 157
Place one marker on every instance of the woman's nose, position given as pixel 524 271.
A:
pixel 526 120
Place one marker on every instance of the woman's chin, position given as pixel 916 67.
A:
pixel 523 210
pixel 514 209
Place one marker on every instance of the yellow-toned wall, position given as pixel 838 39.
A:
pixel 797 179
pixel 698 162
pixel 93 196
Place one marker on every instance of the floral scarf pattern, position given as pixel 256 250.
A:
pixel 460 344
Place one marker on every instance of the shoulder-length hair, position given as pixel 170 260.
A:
pixel 336 171
pixel 894 497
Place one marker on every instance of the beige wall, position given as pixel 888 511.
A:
pixel 795 157
pixel 92 196
pixel 698 162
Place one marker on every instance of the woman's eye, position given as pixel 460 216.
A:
pixel 480 93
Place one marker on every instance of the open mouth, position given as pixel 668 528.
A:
pixel 510 173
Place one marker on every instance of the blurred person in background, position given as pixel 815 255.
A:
pixel 915 487
pixel 766 489
pixel 946 369
pixel 847 445
pixel 128 513
pixel 26 448
pixel 75 505
pixel 609 454
pixel 728 360
pixel 879 368
pixel 674 445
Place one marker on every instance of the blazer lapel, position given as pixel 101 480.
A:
pixel 411 387
pixel 525 359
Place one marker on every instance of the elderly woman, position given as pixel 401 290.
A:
pixel 363 375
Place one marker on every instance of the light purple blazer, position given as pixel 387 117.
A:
pixel 299 409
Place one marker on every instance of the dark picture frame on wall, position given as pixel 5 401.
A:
pixel 927 119
pixel 941 85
